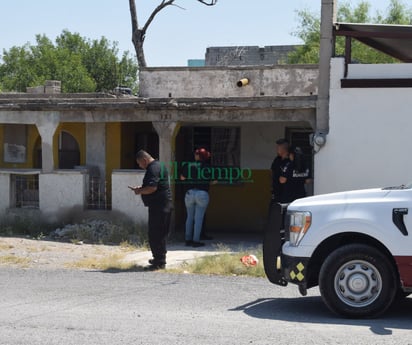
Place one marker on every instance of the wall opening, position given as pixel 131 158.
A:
pixel 224 144
pixel 98 197
pixel 15 143
pixel 37 154
pixel 137 136
pixel 300 137
pixel 25 191
pixel 69 151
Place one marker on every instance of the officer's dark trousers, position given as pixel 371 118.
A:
pixel 159 223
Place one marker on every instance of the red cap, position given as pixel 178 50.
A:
pixel 203 153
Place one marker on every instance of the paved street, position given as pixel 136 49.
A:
pixel 42 307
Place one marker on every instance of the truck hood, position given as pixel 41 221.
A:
pixel 357 196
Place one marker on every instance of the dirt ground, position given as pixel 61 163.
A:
pixel 31 253
pixel 48 254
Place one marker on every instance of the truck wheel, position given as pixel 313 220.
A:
pixel 357 280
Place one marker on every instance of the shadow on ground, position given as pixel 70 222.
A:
pixel 136 268
pixel 313 310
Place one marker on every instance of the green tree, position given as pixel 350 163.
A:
pixel 83 65
pixel 309 31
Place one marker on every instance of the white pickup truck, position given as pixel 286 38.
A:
pixel 357 246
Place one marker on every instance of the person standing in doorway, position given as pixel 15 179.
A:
pixel 296 176
pixel 280 170
pixel 156 195
pixel 196 176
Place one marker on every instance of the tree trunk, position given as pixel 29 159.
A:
pixel 139 34
pixel 138 40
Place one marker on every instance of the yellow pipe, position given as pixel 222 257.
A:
pixel 243 82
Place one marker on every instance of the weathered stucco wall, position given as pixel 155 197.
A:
pixel 258 142
pixel 60 191
pixel 369 138
pixel 124 200
pixel 215 82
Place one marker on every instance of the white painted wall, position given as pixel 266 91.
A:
pixel 370 137
pixel 124 200
pixel 60 191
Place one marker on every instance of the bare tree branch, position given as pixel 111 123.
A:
pixel 208 3
pixel 155 12
pixel 139 35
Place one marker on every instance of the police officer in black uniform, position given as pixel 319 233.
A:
pixel 156 195
pixel 296 175
pixel 280 170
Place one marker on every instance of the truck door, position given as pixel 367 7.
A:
pixel 402 218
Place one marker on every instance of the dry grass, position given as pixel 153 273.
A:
pixel 224 264
pixel 12 259
pixel 126 246
pixel 33 249
pixel 76 241
pixel 113 261
pixel 5 246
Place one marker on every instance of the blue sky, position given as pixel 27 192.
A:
pixel 175 36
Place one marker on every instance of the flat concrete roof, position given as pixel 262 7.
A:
pixel 21 102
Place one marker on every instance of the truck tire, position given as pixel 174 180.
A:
pixel 358 281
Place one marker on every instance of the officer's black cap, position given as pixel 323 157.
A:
pixel 282 141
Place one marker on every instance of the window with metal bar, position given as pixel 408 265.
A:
pixel 222 142
pixel 26 191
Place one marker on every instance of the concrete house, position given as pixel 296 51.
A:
pixel 239 125
pixel 62 152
